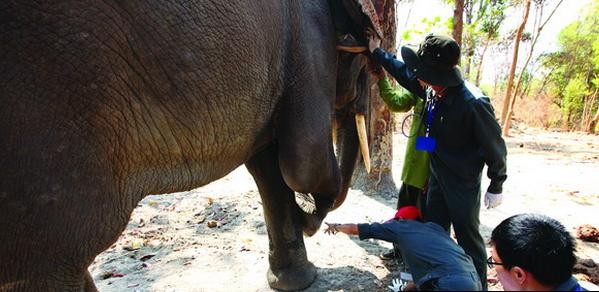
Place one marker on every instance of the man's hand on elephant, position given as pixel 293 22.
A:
pixel 376 71
pixel 348 228
pixel 331 228
pixel 493 200
pixel 373 40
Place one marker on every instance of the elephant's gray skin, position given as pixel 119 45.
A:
pixel 105 102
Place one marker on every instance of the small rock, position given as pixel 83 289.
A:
pixel 212 223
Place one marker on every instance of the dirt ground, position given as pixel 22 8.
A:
pixel 214 238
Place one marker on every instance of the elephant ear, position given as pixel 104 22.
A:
pixel 365 13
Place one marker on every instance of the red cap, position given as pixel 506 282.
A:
pixel 407 213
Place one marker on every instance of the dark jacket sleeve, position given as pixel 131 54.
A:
pixel 488 133
pixel 376 231
pixel 399 71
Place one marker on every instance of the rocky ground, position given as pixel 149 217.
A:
pixel 214 238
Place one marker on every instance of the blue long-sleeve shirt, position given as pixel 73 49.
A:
pixel 464 126
pixel 427 248
pixel 570 285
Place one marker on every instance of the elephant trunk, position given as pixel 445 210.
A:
pixel 351 136
pixel 347 152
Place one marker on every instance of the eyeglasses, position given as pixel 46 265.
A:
pixel 491 264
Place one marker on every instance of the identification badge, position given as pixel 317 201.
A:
pixel 426 144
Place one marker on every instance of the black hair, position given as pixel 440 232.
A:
pixel 538 244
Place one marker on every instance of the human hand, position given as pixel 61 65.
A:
pixel 396 285
pixel 493 200
pixel 373 40
pixel 331 228
pixel 376 70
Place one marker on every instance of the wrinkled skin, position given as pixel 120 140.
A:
pixel 106 102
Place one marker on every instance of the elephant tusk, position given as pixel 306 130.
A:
pixel 334 132
pixel 361 128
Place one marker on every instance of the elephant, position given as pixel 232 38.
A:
pixel 106 102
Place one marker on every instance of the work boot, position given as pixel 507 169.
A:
pixel 348 43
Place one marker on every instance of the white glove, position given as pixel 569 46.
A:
pixel 397 285
pixel 493 200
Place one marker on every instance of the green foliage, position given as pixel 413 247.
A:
pixel 487 90
pixel 595 57
pixel 574 91
pixel 490 17
pixel 574 69
pixel 482 21
pixel 425 26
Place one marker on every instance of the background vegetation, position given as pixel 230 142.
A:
pixel 553 90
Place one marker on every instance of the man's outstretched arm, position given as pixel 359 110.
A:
pixel 349 229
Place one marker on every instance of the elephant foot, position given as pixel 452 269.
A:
pixel 294 278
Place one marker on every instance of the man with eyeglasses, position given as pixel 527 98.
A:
pixel 533 252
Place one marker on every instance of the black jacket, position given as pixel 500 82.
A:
pixel 464 126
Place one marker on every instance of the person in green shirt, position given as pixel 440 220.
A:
pixel 415 170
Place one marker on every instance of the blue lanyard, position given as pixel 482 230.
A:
pixel 429 107
pixel 578 287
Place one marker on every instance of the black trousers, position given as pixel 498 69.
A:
pixel 452 200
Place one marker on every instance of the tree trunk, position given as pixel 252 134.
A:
pixel 380 127
pixel 510 79
pixel 593 123
pixel 458 21
pixel 480 63
pixel 507 120
pixel 568 121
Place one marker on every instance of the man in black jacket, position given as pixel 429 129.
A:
pixel 461 135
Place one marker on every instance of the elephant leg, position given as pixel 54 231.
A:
pixel 58 237
pixel 53 279
pixel 289 265
pixel 308 162
pixel 89 283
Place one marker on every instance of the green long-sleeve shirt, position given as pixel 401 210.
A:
pixel 415 170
